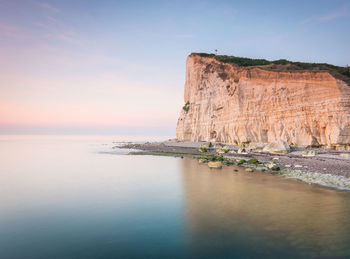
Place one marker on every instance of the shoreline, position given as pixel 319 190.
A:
pixel 327 168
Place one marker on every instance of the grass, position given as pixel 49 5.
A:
pixel 342 73
pixel 214 158
pixel 186 107
pixel 254 161
pixel 203 149
pixel 241 162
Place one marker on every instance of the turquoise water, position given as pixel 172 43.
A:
pixel 76 197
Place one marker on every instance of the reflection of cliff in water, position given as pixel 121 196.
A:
pixel 256 214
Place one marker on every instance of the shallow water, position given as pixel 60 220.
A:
pixel 70 197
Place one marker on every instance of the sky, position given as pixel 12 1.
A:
pixel 118 67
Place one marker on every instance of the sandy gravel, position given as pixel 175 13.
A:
pixel 325 161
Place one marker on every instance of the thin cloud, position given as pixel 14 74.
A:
pixel 184 36
pixel 344 11
pixel 68 37
pixel 335 15
pixel 11 31
pixel 48 7
pixel 41 25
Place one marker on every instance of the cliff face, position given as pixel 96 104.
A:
pixel 232 104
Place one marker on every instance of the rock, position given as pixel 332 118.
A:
pixel 277 147
pixel 261 168
pixel 340 148
pixel 298 166
pixel 345 155
pixel 276 158
pixel 236 104
pixel 249 169
pixel 216 164
pixel 256 146
pixel 287 166
pixel 308 153
pixel 271 165
pixel 232 152
pixel 222 151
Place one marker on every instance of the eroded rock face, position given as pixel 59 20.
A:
pixel 238 105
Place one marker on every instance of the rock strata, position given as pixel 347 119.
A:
pixel 239 105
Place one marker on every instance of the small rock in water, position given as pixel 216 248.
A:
pixel 202 160
pixel 249 169
pixel 216 164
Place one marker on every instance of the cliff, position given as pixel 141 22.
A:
pixel 281 100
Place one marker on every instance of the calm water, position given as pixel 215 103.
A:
pixel 65 197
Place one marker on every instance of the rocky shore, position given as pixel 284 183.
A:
pixel 315 166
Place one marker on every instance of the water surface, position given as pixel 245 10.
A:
pixel 76 197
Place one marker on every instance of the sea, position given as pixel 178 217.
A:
pixel 83 197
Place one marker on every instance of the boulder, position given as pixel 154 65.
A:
pixel 345 155
pixel 256 146
pixel 216 164
pixel 271 165
pixel 249 169
pixel 277 147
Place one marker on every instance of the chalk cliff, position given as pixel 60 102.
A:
pixel 228 103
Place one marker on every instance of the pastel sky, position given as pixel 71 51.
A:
pixel 118 67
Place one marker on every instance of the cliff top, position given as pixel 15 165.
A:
pixel 342 73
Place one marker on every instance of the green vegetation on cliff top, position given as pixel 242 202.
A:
pixel 342 73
